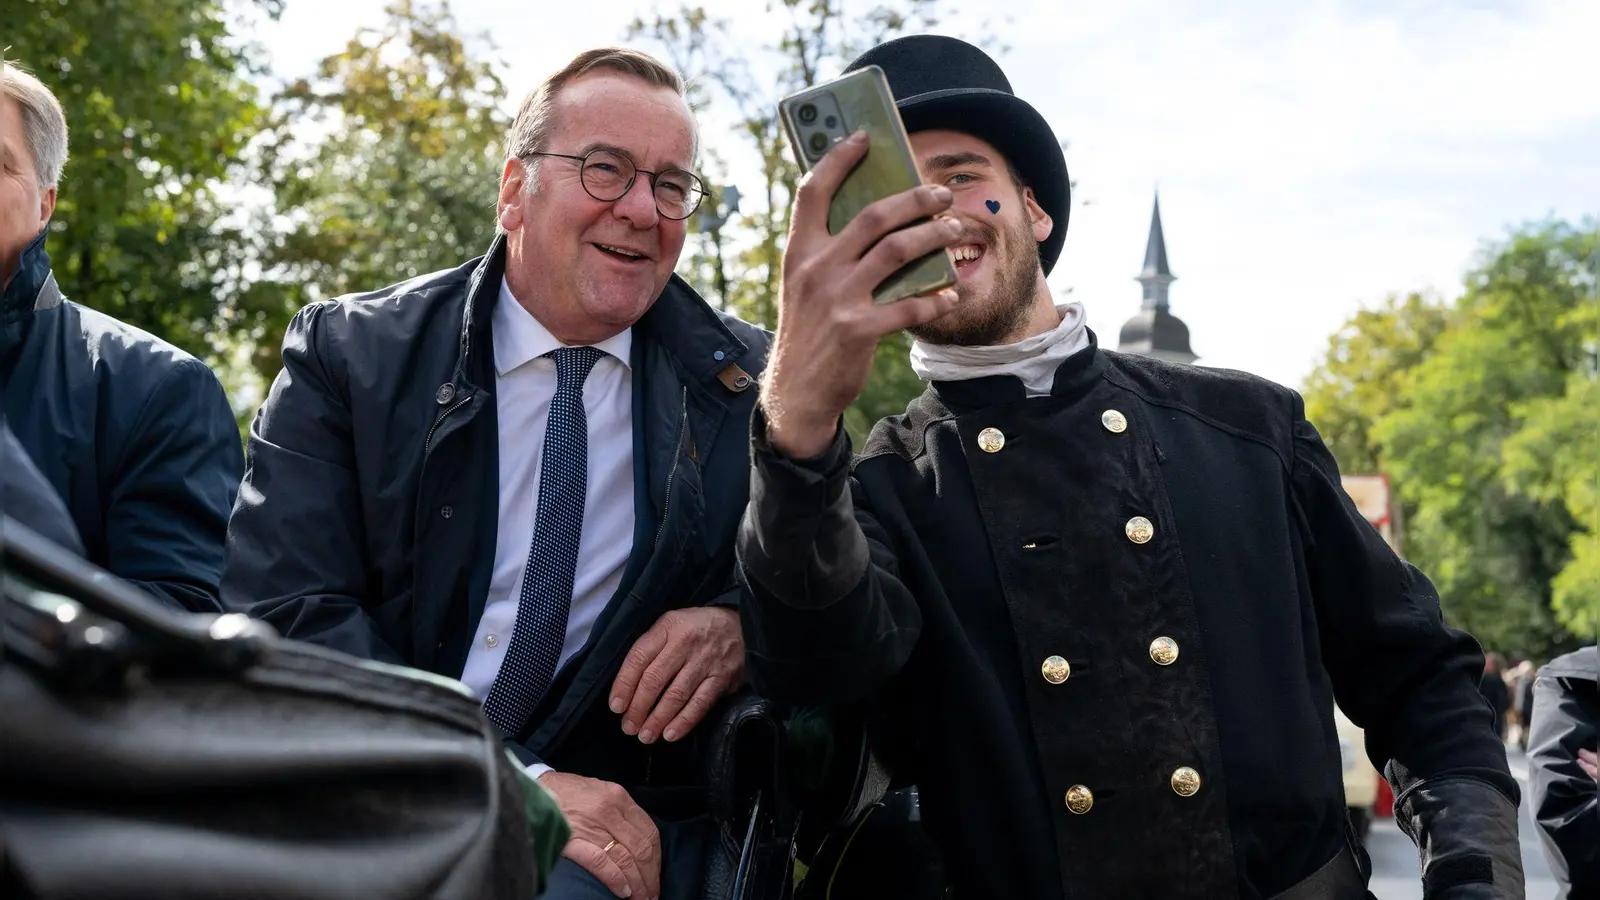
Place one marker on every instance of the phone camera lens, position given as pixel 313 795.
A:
pixel 808 114
pixel 831 122
pixel 819 143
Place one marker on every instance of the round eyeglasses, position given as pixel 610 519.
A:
pixel 608 175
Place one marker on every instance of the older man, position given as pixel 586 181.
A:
pixel 1105 603
pixel 526 472
pixel 134 434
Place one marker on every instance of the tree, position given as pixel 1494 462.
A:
pixel 159 111
pixel 1477 412
pixel 399 179
pixel 1363 373
pixel 1555 459
pixel 816 40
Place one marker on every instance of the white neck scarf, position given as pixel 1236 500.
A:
pixel 1034 360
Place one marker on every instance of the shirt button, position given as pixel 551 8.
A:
pixel 447 511
pixel 718 356
pixel 492 641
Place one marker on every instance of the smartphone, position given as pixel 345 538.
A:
pixel 817 118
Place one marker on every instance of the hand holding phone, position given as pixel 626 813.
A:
pixel 818 118
pixel 829 322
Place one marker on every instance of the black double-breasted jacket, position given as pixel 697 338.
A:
pixel 1105 629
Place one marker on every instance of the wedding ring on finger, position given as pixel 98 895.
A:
pixel 607 848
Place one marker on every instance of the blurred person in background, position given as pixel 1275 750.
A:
pixel 1493 688
pixel 135 435
pixel 1564 770
pixel 526 473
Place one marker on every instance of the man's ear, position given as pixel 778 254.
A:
pixel 1040 220
pixel 47 207
pixel 513 180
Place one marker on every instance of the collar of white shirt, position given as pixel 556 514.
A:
pixel 519 337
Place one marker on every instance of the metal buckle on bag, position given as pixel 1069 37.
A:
pixel 57 636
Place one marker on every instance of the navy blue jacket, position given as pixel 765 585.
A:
pixel 134 434
pixel 368 514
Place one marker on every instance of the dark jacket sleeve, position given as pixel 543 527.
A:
pixel 1411 682
pixel 1565 800
pixel 175 481
pixel 826 619
pixel 27 497
pixel 296 543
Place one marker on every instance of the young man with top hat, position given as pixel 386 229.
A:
pixel 1101 605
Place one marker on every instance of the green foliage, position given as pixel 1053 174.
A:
pixel 384 165
pixel 1482 415
pixel 1363 375
pixel 159 113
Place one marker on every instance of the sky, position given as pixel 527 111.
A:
pixel 1312 157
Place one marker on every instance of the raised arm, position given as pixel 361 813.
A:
pixel 826 619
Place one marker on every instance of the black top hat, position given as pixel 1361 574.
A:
pixel 942 82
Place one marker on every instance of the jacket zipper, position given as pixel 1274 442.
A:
pixel 427 442
pixel 666 500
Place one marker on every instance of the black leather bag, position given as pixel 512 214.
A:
pixel 151 754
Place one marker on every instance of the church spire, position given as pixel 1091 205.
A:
pixel 1156 275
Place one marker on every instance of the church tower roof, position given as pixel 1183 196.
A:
pixel 1155 331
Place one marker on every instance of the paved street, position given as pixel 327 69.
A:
pixel 1394 857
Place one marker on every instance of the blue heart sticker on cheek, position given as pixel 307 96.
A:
pixel 994 205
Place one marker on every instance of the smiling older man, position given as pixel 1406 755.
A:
pixel 134 434
pixel 526 472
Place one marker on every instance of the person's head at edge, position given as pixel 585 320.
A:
pixel 33 151
pixel 589 268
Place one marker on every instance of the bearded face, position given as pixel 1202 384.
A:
pixel 997 263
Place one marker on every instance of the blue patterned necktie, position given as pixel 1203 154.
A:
pixel 542 607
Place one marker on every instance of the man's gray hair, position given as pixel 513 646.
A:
pixel 44 125
pixel 535 119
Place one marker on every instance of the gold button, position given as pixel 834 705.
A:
pixel 1185 782
pixel 991 440
pixel 1056 669
pixel 1139 530
pixel 1079 799
pixel 1114 421
pixel 1164 651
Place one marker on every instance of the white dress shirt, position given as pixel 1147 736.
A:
pixel 525 384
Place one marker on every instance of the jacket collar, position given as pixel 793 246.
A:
pixel 33 287
pixel 1075 374
pixel 680 322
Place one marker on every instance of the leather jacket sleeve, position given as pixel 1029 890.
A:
pixel 1466 831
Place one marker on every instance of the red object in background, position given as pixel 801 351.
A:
pixel 1383 806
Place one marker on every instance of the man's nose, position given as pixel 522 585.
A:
pixel 638 205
